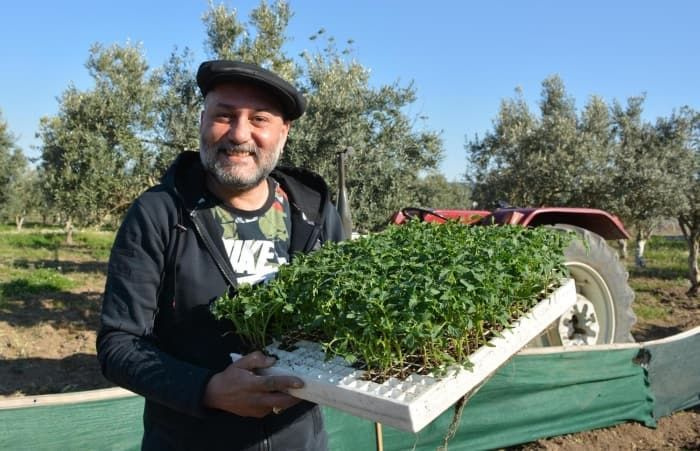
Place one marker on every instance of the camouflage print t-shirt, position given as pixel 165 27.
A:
pixel 257 242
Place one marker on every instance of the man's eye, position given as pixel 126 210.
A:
pixel 260 119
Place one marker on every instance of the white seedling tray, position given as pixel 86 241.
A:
pixel 412 403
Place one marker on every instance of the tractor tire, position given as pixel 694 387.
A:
pixel 603 311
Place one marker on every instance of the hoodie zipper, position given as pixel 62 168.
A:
pixel 211 247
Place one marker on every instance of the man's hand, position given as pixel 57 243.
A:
pixel 239 390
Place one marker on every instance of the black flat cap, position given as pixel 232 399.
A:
pixel 211 73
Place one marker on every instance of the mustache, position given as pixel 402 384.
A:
pixel 246 148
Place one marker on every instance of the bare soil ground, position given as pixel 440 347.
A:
pixel 47 345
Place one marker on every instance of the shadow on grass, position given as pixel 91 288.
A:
pixel 649 332
pixel 657 273
pixel 41 376
pixel 27 301
pixel 60 308
pixel 64 265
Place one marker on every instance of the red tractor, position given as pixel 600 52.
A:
pixel 603 312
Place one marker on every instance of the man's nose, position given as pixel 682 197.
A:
pixel 239 130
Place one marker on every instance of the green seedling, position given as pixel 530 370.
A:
pixel 413 298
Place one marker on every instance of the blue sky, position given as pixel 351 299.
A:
pixel 463 57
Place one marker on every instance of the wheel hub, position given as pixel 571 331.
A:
pixel 579 326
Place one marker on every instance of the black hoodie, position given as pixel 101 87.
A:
pixel 157 336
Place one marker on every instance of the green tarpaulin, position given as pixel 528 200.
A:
pixel 674 371
pixel 531 397
pixel 113 424
pixel 534 396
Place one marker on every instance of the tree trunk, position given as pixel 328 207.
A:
pixel 19 221
pixel 622 246
pixel 694 272
pixel 69 231
pixel 690 226
pixel 641 242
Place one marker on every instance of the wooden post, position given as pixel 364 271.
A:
pixel 342 202
pixel 380 438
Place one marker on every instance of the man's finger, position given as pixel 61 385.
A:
pixel 254 360
pixel 281 383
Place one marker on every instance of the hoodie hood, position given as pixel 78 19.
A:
pixel 186 177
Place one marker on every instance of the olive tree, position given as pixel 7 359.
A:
pixel 345 111
pixel 95 152
pixel 260 43
pixel 12 161
pixel 648 170
pixel 607 158
pixel 24 197
pixel 177 107
pixel 435 191
pixel 18 193
pixel 555 158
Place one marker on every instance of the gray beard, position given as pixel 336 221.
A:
pixel 223 174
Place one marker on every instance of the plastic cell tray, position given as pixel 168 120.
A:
pixel 412 403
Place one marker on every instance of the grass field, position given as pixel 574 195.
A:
pixel 36 261
pixel 662 279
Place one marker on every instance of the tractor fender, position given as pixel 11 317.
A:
pixel 597 221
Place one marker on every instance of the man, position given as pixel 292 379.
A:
pixel 220 218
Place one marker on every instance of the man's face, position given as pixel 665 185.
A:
pixel 241 135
